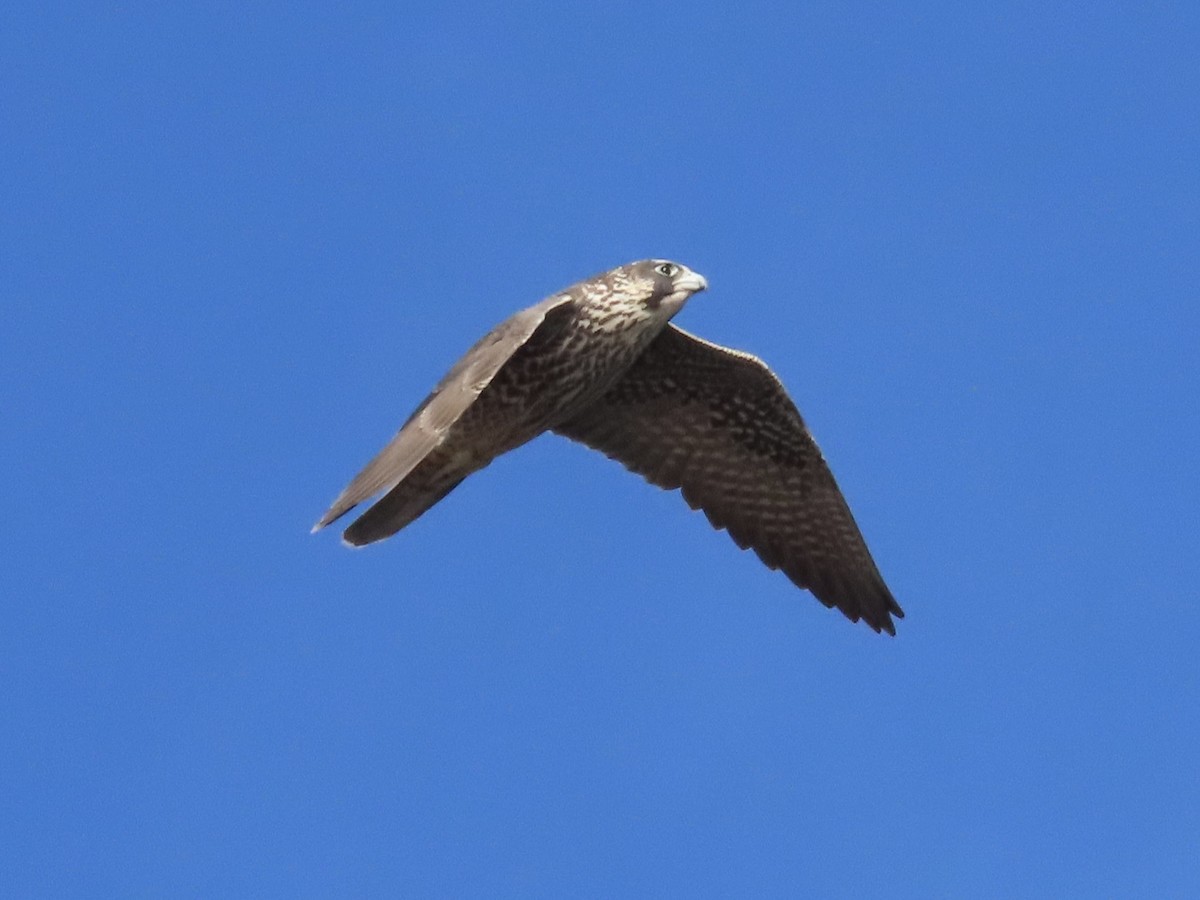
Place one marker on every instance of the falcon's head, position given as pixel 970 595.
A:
pixel 640 295
pixel 664 285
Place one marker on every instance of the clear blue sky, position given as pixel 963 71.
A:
pixel 239 246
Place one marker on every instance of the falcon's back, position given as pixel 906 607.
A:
pixel 537 368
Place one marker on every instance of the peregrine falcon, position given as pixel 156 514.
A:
pixel 601 364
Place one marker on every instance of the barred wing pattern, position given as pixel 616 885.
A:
pixel 445 405
pixel 718 424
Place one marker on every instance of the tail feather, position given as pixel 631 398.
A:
pixel 403 453
pixel 421 489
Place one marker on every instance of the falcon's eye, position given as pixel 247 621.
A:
pixel 667 269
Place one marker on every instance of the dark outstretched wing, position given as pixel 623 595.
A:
pixel 428 424
pixel 719 424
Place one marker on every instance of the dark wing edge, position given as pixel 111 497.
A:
pixel 452 396
pixel 718 424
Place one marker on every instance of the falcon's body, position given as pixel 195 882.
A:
pixel 600 363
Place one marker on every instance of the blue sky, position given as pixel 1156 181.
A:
pixel 240 244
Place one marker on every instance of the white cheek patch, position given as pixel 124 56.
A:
pixel 673 303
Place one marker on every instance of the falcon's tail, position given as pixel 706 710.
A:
pixel 424 486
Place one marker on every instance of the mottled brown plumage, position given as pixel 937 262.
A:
pixel 600 364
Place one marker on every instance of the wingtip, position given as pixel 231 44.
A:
pixel 332 514
pixel 321 523
pixel 895 611
pixel 885 624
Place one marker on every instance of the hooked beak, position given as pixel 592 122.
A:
pixel 692 282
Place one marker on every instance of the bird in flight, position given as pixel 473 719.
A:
pixel 600 363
